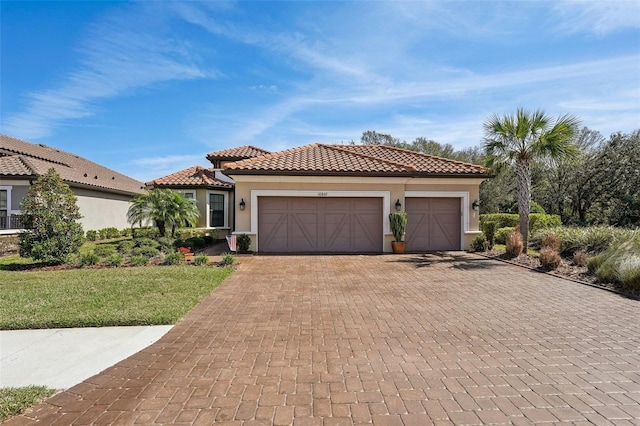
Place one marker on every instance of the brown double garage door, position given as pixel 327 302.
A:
pixel 352 225
pixel 319 225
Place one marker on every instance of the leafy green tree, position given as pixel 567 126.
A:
pixel 608 183
pixel 50 217
pixel 164 207
pixel 522 139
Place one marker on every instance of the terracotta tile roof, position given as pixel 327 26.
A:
pixel 23 159
pixel 196 176
pixel 239 153
pixel 422 162
pixel 376 160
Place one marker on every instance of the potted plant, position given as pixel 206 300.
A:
pixel 186 252
pixel 398 222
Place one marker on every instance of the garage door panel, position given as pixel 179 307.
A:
pixel 319 224
pixel 433 224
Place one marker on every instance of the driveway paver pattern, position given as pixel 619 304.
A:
pixel 390 340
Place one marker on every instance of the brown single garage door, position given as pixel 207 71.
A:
pixel 319 225
pixel 433 224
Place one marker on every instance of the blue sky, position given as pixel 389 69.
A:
pixel 148 88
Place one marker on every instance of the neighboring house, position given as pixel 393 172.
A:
pixel 211 190
pixel 103 194
pixel 337 198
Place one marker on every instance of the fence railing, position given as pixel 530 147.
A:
pixel 10 222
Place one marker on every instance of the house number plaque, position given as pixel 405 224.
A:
pixel 322 194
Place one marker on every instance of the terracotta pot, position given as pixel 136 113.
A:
pixel 398 247
pixel 188 257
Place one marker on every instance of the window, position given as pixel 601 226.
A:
pixel 3 209
pixel 216 210
pixel 189 196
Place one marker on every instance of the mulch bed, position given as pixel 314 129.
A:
pixel 567 270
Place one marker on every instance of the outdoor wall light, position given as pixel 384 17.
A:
pixel 475 205
pixel 242 204
pixel 398 205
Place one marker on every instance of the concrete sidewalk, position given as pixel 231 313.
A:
pixel 62 358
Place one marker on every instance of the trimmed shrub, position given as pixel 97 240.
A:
pixel 89 259
pixel 195 242
pixel 580 258
pixel 244 242
pixel 104 250
pixel 114 260
pixel 92 235
pixel 549 258
pixel 542 221
pixel 200 260
pixel 174 258
pixel 479 243
pixel 125 246
pixel 147 242
pixel 126 232
pixel 490 234
pixel 166 245
pixel 208 240
pixel 502 220
pixel 502 234
pixel 514 245
pixel 108 233
pixel 146 232
pixel 536 220
pixel 227 259
pixel 138 260
pixel 146 251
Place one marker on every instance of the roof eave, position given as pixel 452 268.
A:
pixel 170 186
pixel 74 184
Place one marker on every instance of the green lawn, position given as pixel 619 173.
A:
pixel 150 295
pixel 15 400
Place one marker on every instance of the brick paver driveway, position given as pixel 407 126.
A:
pixel 387 340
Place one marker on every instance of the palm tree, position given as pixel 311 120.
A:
pixel 182 211
pixel 522 139
pixel 165 208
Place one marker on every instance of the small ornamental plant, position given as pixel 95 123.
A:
pixel 184 250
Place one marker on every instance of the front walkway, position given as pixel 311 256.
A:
pixel 388 340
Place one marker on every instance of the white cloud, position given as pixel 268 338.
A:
pixel 599 17
pixel 119 55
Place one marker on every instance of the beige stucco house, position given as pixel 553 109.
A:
pixel 103 195
pixel 337 198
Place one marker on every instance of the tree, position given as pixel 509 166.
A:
pixel 50 217
pixel 164 207
pixel 608 182
pixel 522 139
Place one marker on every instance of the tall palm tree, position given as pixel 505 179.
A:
pixel 521 139
pixel 165 208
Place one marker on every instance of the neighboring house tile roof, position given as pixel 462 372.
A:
pixel 376 160
pixel 239 153
pixel 196 176
pixel 23 159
